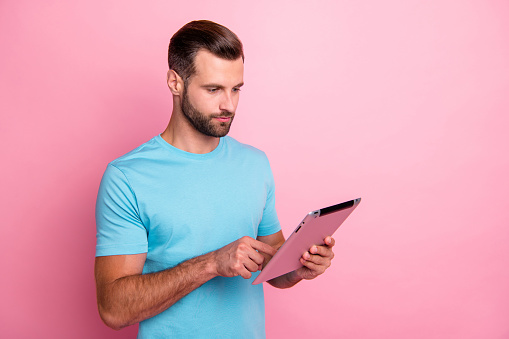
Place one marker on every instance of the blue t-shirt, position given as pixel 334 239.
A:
pixel 174 205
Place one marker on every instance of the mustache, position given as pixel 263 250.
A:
pixel 224 115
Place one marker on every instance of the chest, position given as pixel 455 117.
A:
pixel 192 210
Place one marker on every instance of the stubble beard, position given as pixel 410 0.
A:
pixel 203 123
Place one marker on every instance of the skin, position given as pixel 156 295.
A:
pixel 125 296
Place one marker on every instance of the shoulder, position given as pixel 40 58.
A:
pixel 249 159
pixel 244 149
pixel 147 151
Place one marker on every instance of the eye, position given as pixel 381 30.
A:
pixel 212 90
pixel 236 90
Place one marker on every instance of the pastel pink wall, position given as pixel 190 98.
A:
pixel 403 103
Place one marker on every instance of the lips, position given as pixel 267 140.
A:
pixel 223 119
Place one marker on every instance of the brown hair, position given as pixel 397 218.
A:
pixel 201 34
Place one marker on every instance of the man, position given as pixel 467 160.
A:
pixel 184 220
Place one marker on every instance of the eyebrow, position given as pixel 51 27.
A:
pixel 221 86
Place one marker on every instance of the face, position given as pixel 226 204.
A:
pixel 211 95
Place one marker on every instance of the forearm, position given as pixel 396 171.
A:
pixel 286 280
pixel 134 298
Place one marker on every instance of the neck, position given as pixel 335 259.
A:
pixel 182 135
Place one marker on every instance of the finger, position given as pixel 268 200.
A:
pixel 316 259
pixel 256 257
pixel 247 257
pixel 263 247
pixel 251 266
pixel 316 269
pixel 246 247
pixel 324 251
pixel 329 241
pixel 246 274
pixel 240 269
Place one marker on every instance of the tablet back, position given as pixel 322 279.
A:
pixel 311 231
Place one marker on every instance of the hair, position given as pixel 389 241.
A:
pixel 197 35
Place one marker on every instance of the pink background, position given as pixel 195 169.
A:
pixel 403 103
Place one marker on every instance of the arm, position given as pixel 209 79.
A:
pixel 315 261
pixel 125 296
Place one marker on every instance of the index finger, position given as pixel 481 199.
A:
pixel 263 247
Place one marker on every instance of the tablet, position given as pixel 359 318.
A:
pixel 312 230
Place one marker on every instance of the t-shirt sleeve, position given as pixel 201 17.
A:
pixel 270 222
pixel 119 227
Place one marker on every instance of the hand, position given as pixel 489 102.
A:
pixel 241 257
pixel 316 260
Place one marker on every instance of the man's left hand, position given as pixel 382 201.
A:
pixel 316 260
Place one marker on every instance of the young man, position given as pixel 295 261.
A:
pixel 184 220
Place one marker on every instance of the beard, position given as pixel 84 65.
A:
pixel 203 123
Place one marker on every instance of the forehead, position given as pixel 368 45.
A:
pixel 212 69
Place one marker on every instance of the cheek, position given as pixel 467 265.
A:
pixel 204 103
pixel 236 100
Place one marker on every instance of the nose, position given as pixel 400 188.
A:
pixel 227 103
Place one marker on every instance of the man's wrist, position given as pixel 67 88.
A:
pixel 210 265
pixel 202 268
pixel 293 277
pixel 287 280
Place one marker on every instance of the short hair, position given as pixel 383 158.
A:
pixel 197 35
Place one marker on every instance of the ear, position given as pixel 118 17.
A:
pixel 175 82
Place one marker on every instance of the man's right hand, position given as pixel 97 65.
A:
pixel 241 257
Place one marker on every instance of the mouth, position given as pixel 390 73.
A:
pixel 223 118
